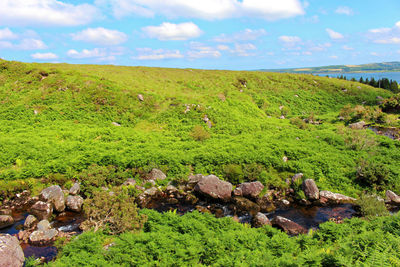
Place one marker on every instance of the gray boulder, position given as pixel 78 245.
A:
pixel 252 189
pixel 327 197
pixel 30 222
pixel 74 203
pixel 5 221
pixel 260 220
pixel 211 186
pixel 43 237
pixel 11 254
pixel 55 196
pixel 43 225
pixel 42 210
pixel 357 125
pixel 156 174
pixel 392 197
pixel 310 189
pixel 288 226
pixel 75 189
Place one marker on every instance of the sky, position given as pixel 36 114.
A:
pixel 206 34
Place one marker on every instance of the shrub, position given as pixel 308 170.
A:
pixel 234 173
pixel 359 113
pixel 372 174
pixel 391 104
pixel 199 133
pixel 299 123
pixel 371 206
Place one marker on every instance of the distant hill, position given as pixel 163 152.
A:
pixel 372 67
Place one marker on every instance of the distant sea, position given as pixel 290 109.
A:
pixel 377 75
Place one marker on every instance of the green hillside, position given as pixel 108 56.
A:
pixel 60 119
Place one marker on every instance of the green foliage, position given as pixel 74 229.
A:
pixel 391 104
pixel 372 173
pixel 199 133
pixel 358 113
pixel 234 173
pixel 371 206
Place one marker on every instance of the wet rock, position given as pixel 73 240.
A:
pixel 202 209
pixel 245 205
pixel 327 197
pixel 30 222
pixel 6 212
pixel 266 204
pixel 392 197
pixel 74 203
pixel 310 189
pixel 156 174
pixel 43 225
pixel 11 254
pixel 252 189
pixel 260 220
pixel 194 179
pixel 43 238
pixel 215 188
pixel 42 210
pixel 171 190
pixel 140 97
pixel 288 226
pixel 5 221
pixel 55 196
pixel 357 125
pixel 238 192
pixel 130 181
pixel 75 189
pixel 285 202
pixel 296 177
pixel 23 236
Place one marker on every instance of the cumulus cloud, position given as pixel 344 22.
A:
pixel 290 40
pixel 334 35
pixel 207 9
pixel 45 12
pixel 246 35
pixel 44 56
pixel 31 44
pixel 386 35
pixel 199 50
pixel 344 10
pixel 157 54
pixel 345 47
pixel 100 36
pixel 169 31
pixel 242 50
pixel 7 34
pixel 85 53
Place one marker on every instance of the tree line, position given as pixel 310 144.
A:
pixel 384 83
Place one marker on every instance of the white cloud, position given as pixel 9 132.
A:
pixel 380 30
pixel 208 9
pixel 290 40
pixel 334 57
pixel 45 12
pixel 391 40
pixel 44 56
pixel 30 44
pixel 85 53
pixel 319 47
pixel 344 10
pixel 246 35
pixel 334 35
pixel 100 36
pixel 199 50
pixel 158 54
pixel 5 45
pixel 386 35
pixel 345 47
pixel 223 47
pixel 169 31
pixel 7 34
pixel 242 50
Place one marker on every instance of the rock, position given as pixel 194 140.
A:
pixel 327 197
pixel 11 254
pixel 42 210
pixel 245 205
pixel 116 124
pixel 252 189
pixel 357 125
pixel 310 189
pixel 392 197
pixel 171 190
pixel 238 192
pixel 285 202
pixel 55 196
pixel 296 177
pixel 156 174
pixel 282 117
pixel 130 181
pixel 288 226
pixel 43 225
pixel 205 118
pixel 140 97
pixel 43 238
pixel 194 179
pixel 285 159
pixel 213 187
pixel 6 212
pixel 30 222
pixel 75 189
pixel 5 221
pixel 265 203
pixel 260 220
pixel 74 203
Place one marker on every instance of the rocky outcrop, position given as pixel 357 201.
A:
pixel 43 237
pixel 357 125
pixel 75 189
pixel 310 189
pixel 260 220
pixel 55 196
pixel 392 197
pixel 288 226
pixel 74 203
pixel 252 189
pixel 30 222
pixel 42 210
pixel 156 174
pixel 211 186
pixel 5 221
pixel 327 197
pixel 11 254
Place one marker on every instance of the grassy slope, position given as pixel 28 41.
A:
pixel 77 104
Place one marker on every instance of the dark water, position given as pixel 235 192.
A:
pixel 376 75
pixel 392 133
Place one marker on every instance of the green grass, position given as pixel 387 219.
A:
pixel 76 105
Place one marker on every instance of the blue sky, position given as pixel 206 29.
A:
pixel 210 34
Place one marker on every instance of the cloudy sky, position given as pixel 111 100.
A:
pixel 212 34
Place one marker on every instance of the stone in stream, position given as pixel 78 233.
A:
pixel 5 221
pixel 30 222
pixel 43 237
pixel 357 125
pixel 310 189
pixel 245 205
pixel 327 197
pixel 75 189
pixel 55 196
pixel 42 210
pixel 288 226
pixel 392 197
pixel 11 254
pixel 215 188
pixel 43 225
pixel 252 189
pixel 5 212
pixel 74 203
pixel 156 174
pixel 260 220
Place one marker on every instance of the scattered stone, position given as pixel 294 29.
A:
pixel 209 124
pixel 42 210
pixel 194 179
pixel 245 205
pixel 281 107
pixel 11 254
pixel 55 196
pixel 140 97
pixel 282 117
pixel 35 112
pixel 296 177
pixel 327 197
pixel 43 238
pixel 5 221
pixel 30 222
pixel 74 203
pixel 43 225
pixel 310 189
pixel 213 187
pixel 288 226
pixel 296 95
pixel 75 189
pixel 285 159
pixel 156 174
pixel 252 189
pixel 392 197
pixel 205 118
pixel 238 192
pixel 265 203
pixel 260 220
pixel 285 202
pixel 130 181
pixel 171 190
pixel 6 212
pixel 116 124
pixel 357 125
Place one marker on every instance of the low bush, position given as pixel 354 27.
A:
pixel 371 206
